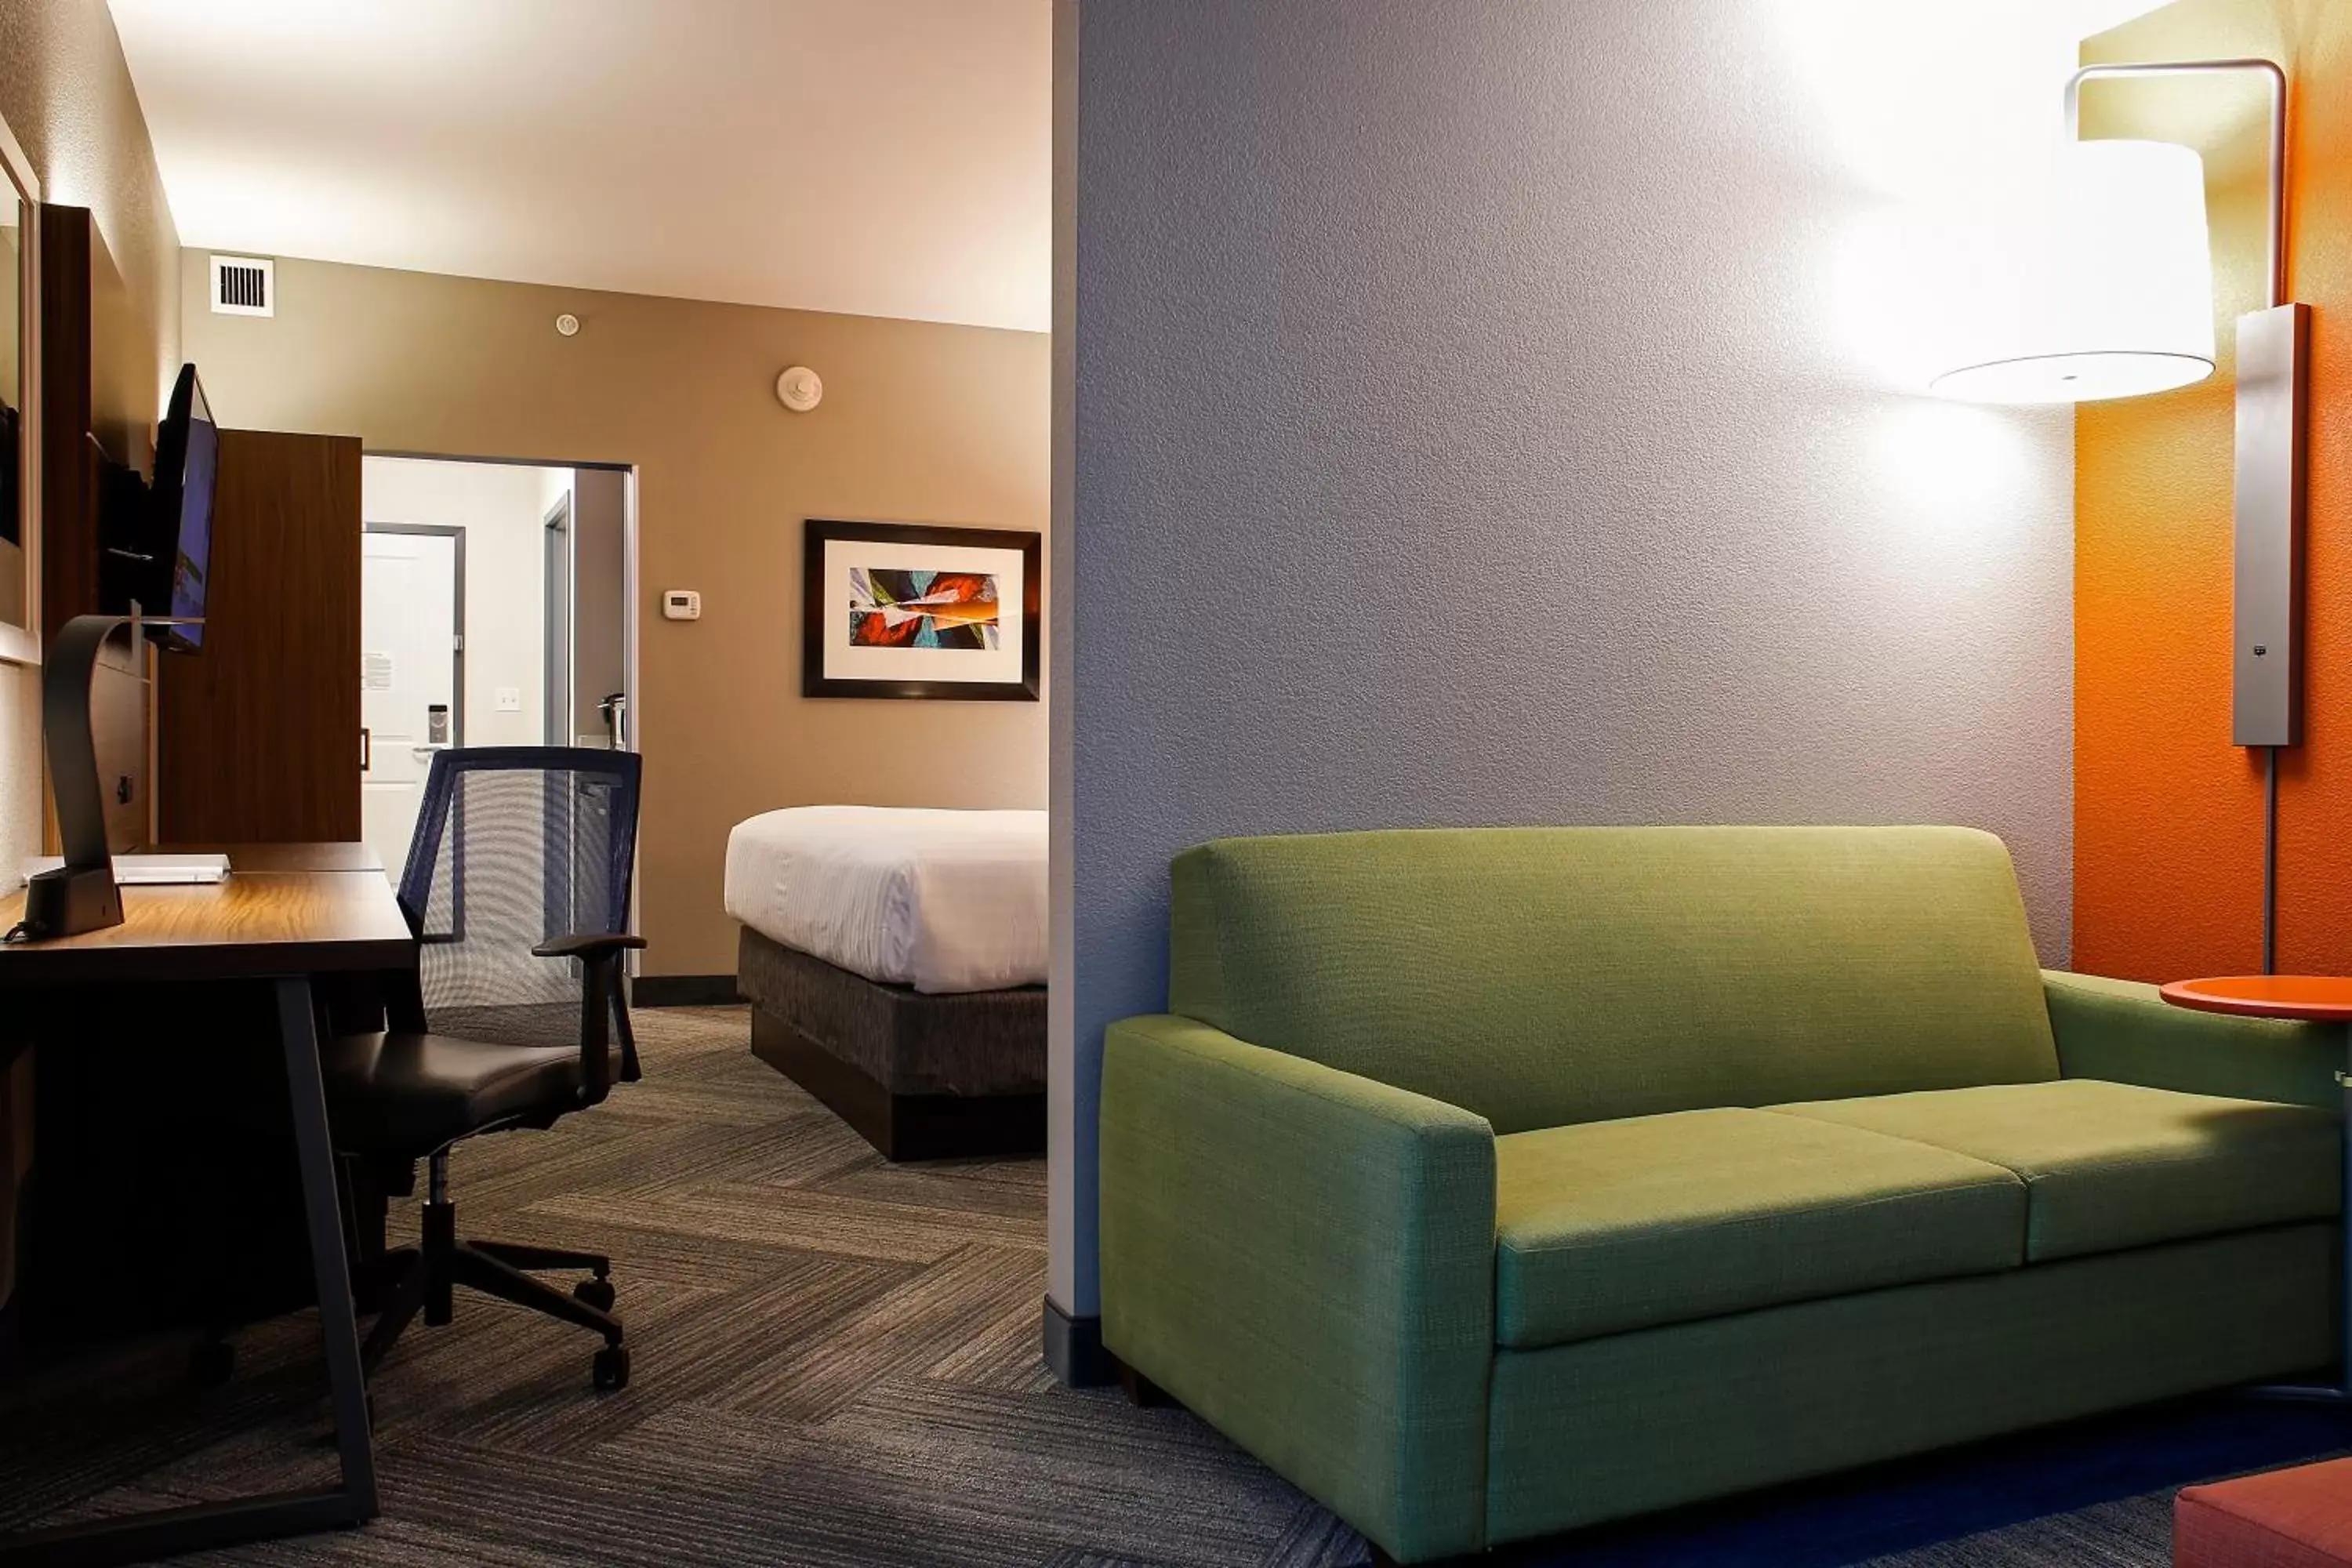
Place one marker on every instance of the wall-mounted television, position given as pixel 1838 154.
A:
pixel 178 531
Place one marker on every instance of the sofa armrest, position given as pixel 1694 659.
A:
pixel 1307 1259
pixel 2123 1031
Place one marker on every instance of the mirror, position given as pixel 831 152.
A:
pixel 19 397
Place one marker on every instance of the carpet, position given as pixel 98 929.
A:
pixel 837 1366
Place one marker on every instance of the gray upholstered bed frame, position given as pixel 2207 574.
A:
pixel 920 1077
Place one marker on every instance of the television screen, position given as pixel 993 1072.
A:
pixel 194 550
pixel 187 456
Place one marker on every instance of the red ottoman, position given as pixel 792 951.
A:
pixel 2289 1519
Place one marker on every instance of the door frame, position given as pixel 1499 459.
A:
pixel 559 598
pixel 457 618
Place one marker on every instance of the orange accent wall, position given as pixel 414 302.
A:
pixel 2167 814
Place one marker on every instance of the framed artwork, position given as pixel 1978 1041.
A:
pixel 900 610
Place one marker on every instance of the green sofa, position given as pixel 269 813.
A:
pixel 1492 1182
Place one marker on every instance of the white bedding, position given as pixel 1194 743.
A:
pixel 940 901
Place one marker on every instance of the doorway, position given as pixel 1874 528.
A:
pixel 412 671
pixel 495 612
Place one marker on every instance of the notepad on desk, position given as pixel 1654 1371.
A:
pixel 150 870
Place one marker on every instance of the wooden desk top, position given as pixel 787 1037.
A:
pixel 2314 998
pixel 276 915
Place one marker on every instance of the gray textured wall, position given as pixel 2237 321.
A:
pixel 1462 435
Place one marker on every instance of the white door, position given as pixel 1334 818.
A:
pixel 409 655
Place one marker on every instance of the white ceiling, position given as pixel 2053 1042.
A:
pixel 882 157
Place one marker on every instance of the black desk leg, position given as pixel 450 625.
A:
pixel 298 1027
pixel 142 1538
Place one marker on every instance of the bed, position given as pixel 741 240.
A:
pixel 894 962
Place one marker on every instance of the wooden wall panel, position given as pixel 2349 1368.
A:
pixel 69 500
pixel 91 340
pixel 259 735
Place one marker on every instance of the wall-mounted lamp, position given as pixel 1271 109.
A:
pixel 2134 284
pixel 2137 296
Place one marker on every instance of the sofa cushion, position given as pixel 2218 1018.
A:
pixel 2111 1165
pixel 1539 976
pixel 1612 1226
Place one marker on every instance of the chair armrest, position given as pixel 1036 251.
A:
pixel 2123 1031
pixel 600 1003
pixel 587 944
pixel 1306 1258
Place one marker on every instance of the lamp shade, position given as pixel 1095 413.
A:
pixel 2133 286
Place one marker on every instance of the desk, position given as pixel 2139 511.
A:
pixel 287 914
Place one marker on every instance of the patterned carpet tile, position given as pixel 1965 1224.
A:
pixel 748 1214
pixel 836 1365
pixel 914 1325
pixel 1053 1471
pixel 2135 1532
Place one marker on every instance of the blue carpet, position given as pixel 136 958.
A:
pixel 2095 1494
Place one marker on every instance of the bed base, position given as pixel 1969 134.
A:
pixel 901 1126
pixel 917 1077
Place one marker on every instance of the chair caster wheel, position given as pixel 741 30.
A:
pixel 213 1363
pixel 596 1293
pixel 611 1369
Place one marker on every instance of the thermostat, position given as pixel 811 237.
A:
pixel 681 604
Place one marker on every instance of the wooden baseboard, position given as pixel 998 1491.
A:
pixel 683 991
pixel 902 1126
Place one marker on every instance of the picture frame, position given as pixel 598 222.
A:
pixel 917 611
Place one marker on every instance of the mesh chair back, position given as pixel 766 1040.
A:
pixel 515 845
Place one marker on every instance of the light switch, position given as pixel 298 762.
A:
pixel 509 699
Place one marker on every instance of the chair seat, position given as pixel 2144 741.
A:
pixel 2114 1165
pixel 1607 1226
pixel 412 1094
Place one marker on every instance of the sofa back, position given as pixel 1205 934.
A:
pixel 1541 976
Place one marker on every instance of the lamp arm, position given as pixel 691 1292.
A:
pixel 2276 77
pixel 72 750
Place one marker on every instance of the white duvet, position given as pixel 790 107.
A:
pixel 940 901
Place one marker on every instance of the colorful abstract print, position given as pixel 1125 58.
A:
pixel 892 608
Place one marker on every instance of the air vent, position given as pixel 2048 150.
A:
pixel 244 286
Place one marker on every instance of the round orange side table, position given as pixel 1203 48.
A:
pixel 2310 998
pixel 2314 998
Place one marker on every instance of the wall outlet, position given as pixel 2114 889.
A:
pixel 509 699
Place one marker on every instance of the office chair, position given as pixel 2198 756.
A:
pixel 517 887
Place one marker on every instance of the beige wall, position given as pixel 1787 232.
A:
pixel 66 93
pixel 920 423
